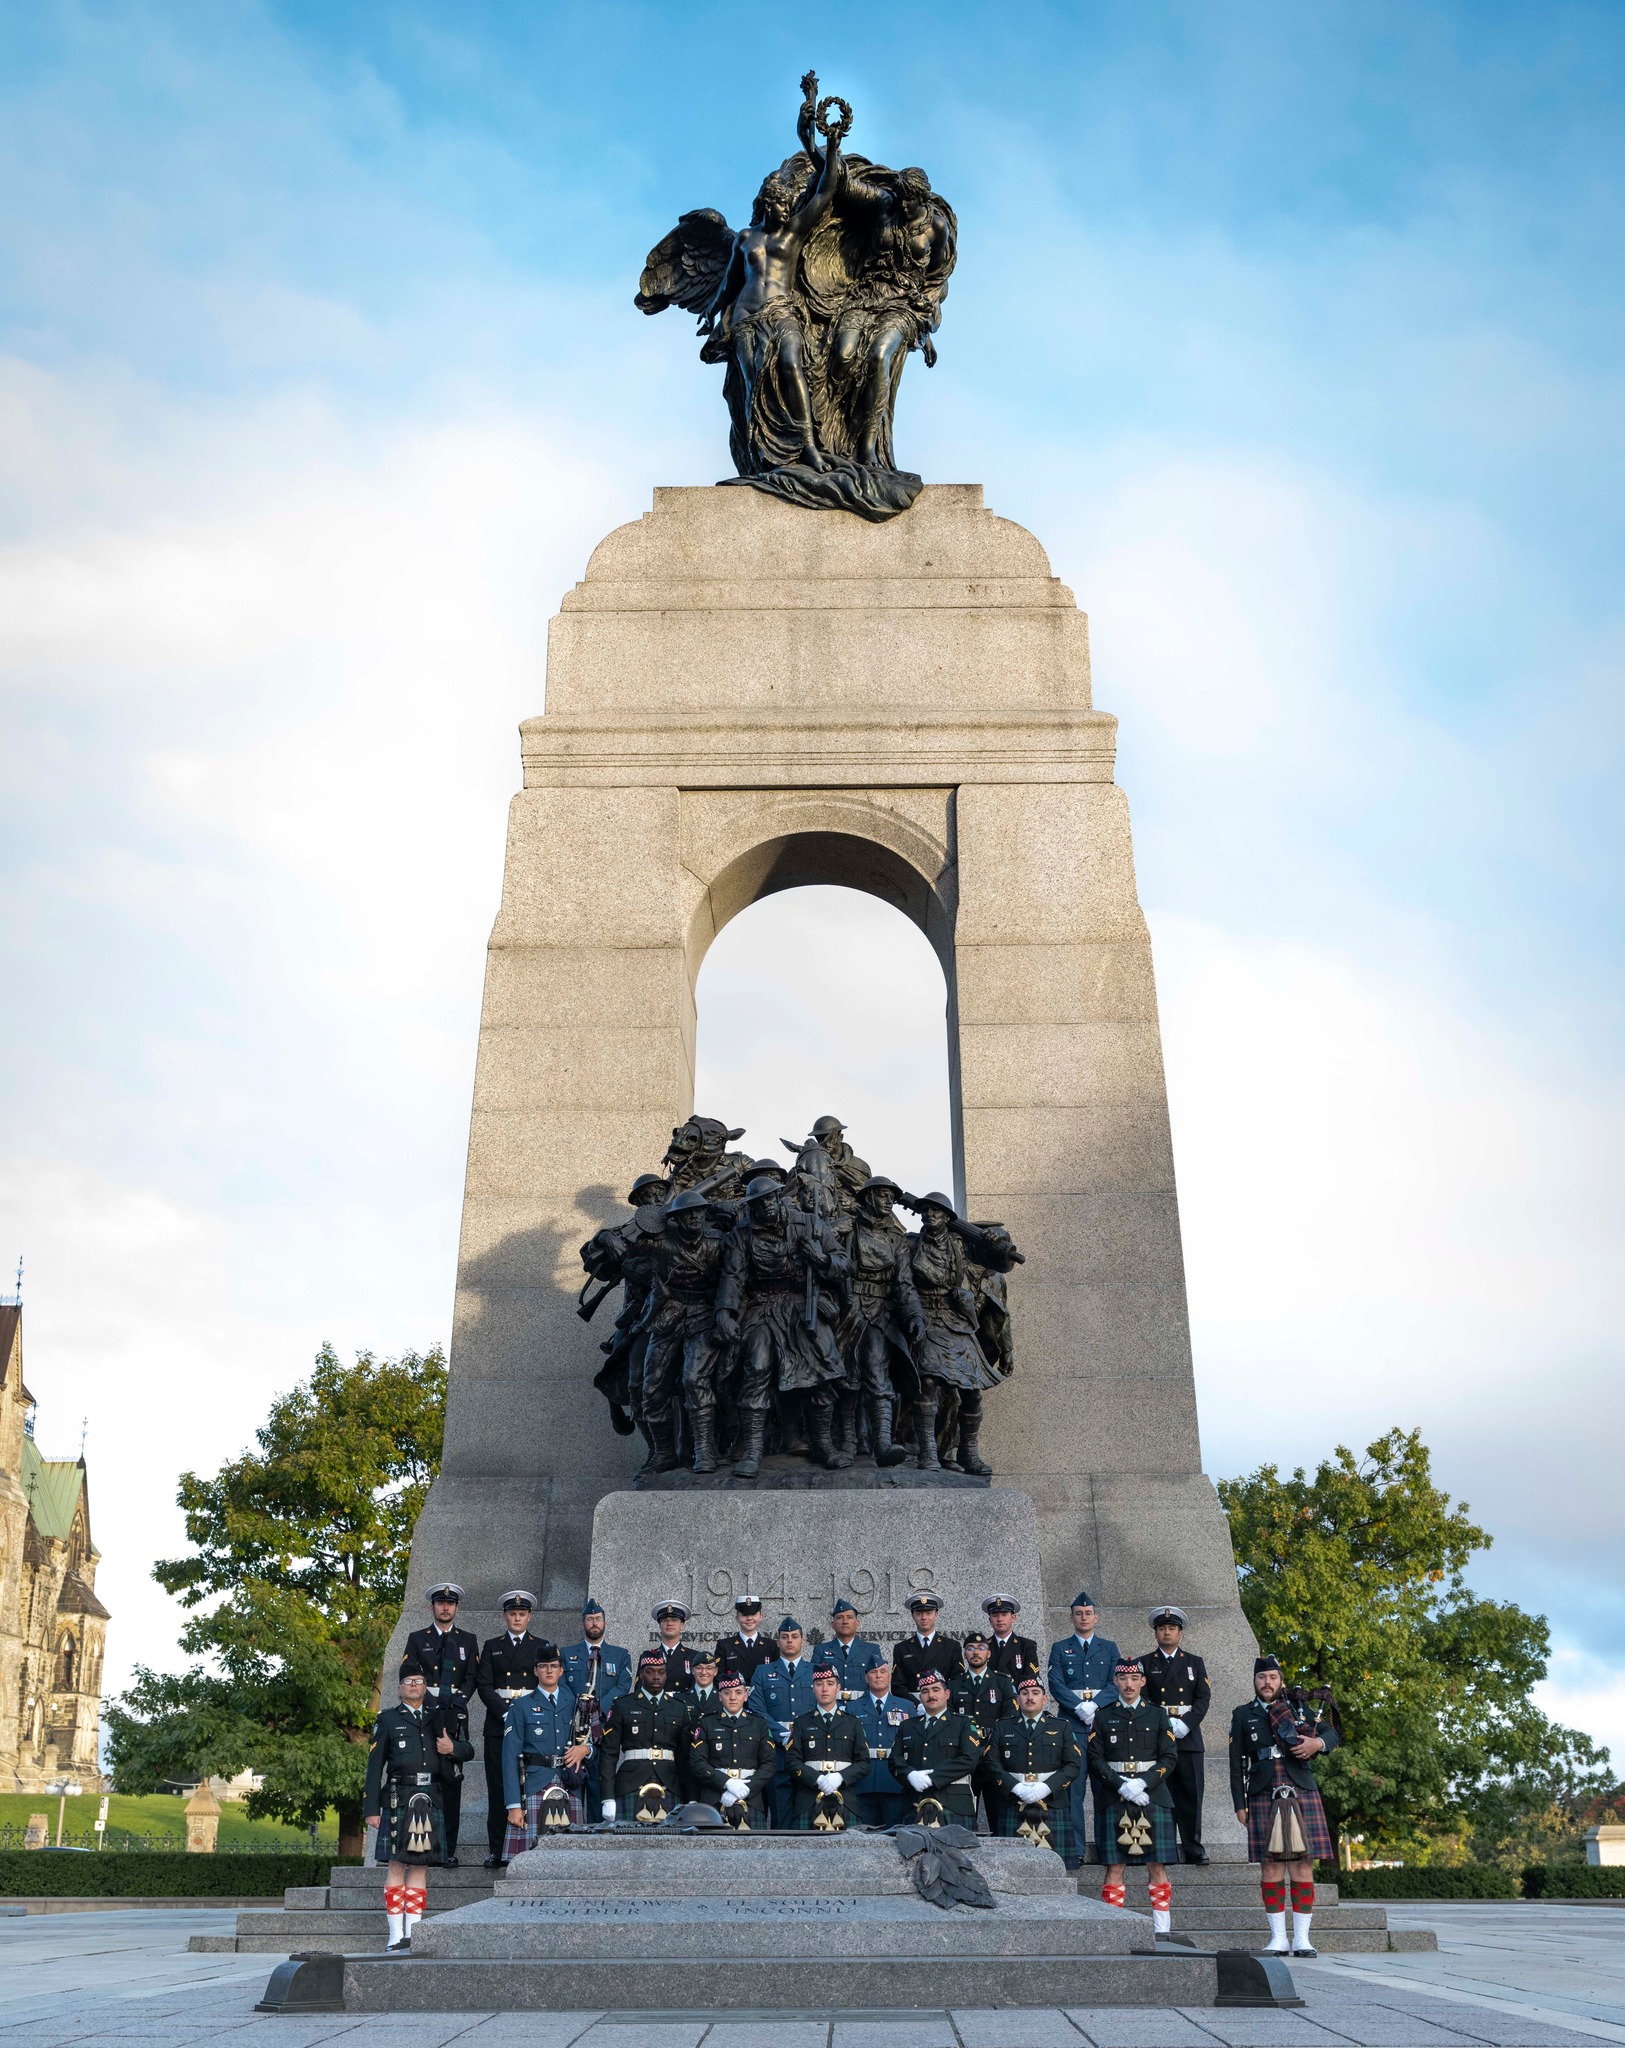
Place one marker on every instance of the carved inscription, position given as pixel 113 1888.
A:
pixel 680 1909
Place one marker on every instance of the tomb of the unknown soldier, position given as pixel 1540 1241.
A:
pixel 712 1387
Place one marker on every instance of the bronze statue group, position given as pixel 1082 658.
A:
pixel 772 1308
pixel 768 1732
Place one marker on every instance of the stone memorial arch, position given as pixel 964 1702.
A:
pixel 745 696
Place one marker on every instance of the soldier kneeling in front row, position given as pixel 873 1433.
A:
pixel 408 1769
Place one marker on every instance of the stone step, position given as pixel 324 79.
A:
pixel 1187 1917
pixel 852 1983
pixel 730 1929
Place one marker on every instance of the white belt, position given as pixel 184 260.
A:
pixel 880 1752
pixel 648 1756
pixel 1272 1751
pixel 826 1763
pixel 1132 1764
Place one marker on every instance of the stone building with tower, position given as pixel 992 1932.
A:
pixel 52 1626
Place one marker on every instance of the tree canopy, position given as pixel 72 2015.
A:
pixel 1354 1579
pixel 297 1573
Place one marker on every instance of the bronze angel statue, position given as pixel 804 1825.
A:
pixel 813 309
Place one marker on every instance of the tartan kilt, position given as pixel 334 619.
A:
pixel 519 1839
pixel 1310 1811
pixel 393 1821
pixel 1164 1844
pixel 1009 1813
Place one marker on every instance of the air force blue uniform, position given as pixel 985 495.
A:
pixel 849 1661
pixel 538 1728
pixel 616 1675
pixel 1076 1668
pixel 779 1695
pixel 879 1798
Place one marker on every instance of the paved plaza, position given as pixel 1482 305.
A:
pixel 1533 1976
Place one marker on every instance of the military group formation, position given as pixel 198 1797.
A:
pixel 770 1308
pixel 771 1734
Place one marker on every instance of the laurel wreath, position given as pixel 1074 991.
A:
pixel 833 131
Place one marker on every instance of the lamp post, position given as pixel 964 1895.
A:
pixel 64 1792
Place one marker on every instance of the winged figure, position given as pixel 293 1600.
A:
pixel 813 308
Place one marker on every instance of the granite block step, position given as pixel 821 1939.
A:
pixel 776 1981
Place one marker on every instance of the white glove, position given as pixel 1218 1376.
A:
pixel 920 1780
pixel 1029 1790
pixel 1180 1728
pixel 1086 1712
pixel 609 1809
pixel 739 1787
pixel 829 1781
pixel 1132 1788
pixel 730 1798
pixel 1142 1799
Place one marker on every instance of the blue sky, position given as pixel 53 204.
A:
pixel 1294 332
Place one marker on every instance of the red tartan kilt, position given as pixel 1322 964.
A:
pixel 1310 1811
pixel 519 1839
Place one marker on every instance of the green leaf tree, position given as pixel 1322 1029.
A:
pixel 1354 1579
pixel 298 1572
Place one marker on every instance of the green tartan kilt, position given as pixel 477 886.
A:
pixel 394 1825
pixel 1164 1844
pixel 1009 1814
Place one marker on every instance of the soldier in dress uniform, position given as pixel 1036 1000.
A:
pixel 670 1617
pixel 747 1649
pixel 544 1756
pixel 849 1655
pixel 1131 1753
pixel 1008 1652
pixel 732 1758
pixel 701 1699
pixel 507 1667
pixel 925 1650
pixel 405 1794
pixel 935 1754
pixel 597 1671
pixel 987 1696
pixel 827 1755
pixel 880 1712
pixel 644 1733
pixel 1035 1759
pixel 1080 1679
pixel 1176 1678
pixel 783 1689
pixel 1273 1742
pixel 450 1658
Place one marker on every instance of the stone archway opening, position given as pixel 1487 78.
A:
pixel 819 998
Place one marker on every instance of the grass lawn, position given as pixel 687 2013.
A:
pixel 154 1820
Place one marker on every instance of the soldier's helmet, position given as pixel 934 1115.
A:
pixel 648 1187
pixel 828 1127
pixel 768 1169
pixel 763 1189
pixel 685 1204
pixel 879 1183
pixel 937 1200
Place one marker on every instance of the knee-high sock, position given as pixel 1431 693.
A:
pixel 395 1907
pixel 1303 1907
pixel 417 1898
pixel 1114 1894
pixel 1274 1895
pixel 1162 1904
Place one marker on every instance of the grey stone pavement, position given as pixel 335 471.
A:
pixel 1531 1976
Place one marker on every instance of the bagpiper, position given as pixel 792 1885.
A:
pixel 405 1795
pixel 1035 1760
pixel 1274 1739
pixel 1131 1753
pixel 544 1756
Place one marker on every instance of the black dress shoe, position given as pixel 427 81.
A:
pixel 1197 1855
pixel 493 1862
pixel 451 1863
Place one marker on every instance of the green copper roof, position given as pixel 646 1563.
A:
pixel 52 1486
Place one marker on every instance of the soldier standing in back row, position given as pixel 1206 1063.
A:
pixel 507 1668
pixel 747 1649
pixel 1014 1655
pixel 925 1650
pixel 850 1656
pixel 670 1617
pixel 987 1697
pixel 1176 1679
pixel 450 1658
